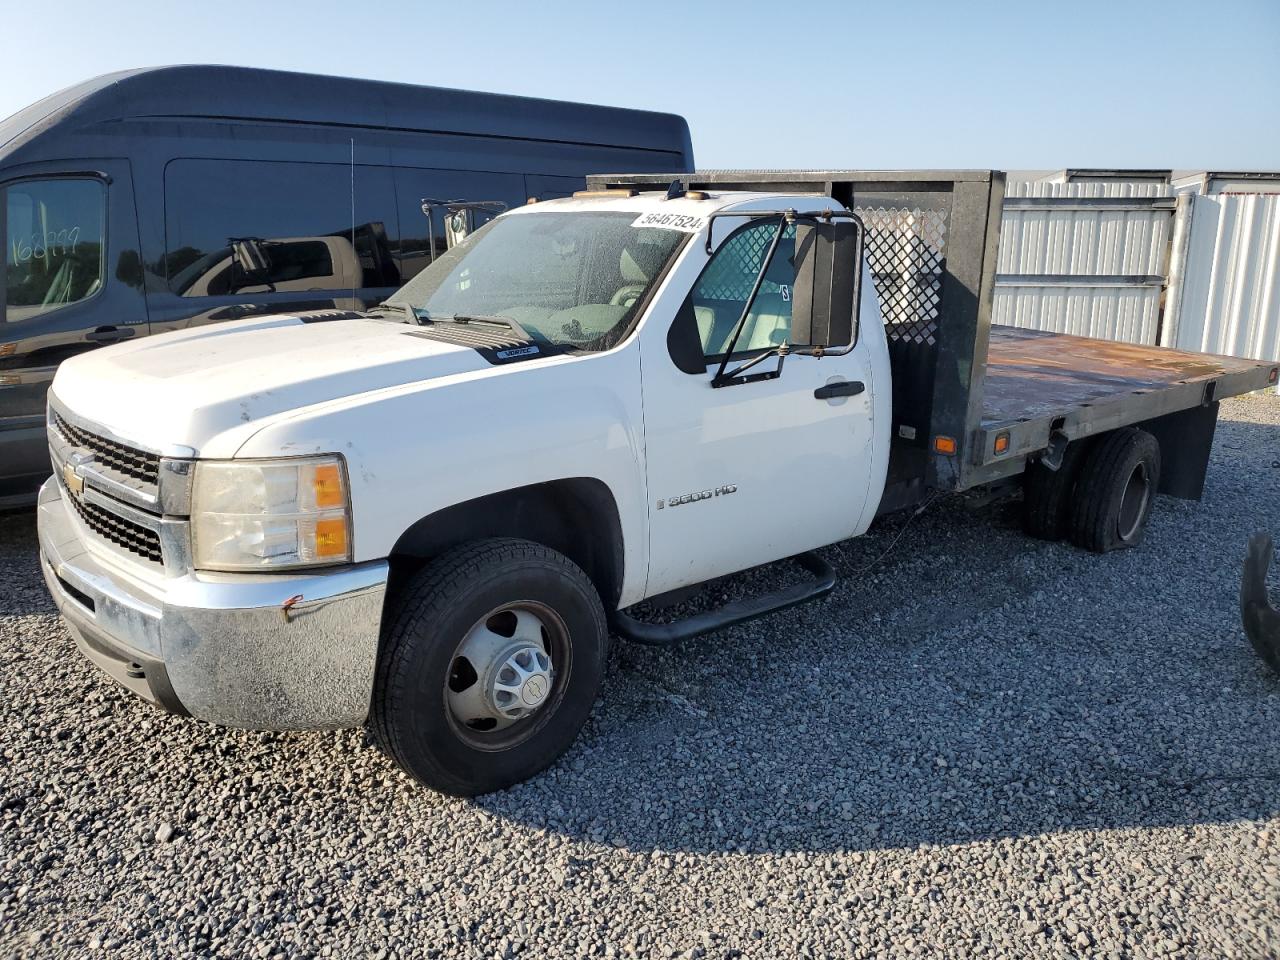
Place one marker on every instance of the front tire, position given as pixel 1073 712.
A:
pixel 491 659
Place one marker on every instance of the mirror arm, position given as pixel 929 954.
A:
pixel 821 352
pixel 825 215
pixel 735 375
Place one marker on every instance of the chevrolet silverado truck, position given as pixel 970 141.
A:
pixel 429 518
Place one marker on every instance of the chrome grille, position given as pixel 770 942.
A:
pixel 110 455
pixel 134 537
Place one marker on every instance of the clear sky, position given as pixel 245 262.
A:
pixel 803 83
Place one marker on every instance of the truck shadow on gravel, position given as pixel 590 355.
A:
pixel 974 684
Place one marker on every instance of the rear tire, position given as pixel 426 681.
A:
pixel 1047 494
pixel 1117 487
pixel 438 715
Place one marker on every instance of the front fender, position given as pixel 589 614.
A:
pixel 421 448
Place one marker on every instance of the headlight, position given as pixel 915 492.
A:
pixel 268 514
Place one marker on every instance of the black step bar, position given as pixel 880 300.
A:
pixel 738 611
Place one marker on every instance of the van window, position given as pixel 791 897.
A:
pixel 294 218
pixel 54 250
pixel 413 252
pixel 289 265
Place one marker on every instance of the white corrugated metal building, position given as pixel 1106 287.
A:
pixel 1190 261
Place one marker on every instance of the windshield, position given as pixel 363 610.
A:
pixel 570 279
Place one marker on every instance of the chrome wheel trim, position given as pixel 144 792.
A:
pixel 503 674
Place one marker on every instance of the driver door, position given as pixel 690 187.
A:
pixel 752 472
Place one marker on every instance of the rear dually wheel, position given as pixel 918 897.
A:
pixel 1117 488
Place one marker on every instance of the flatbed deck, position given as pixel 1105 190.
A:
pixel 1038 383
pixel 1032 374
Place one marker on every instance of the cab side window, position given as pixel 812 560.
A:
pixel 251 226
pixel 54 244
pixel 721 293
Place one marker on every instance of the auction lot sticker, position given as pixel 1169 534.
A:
pixel 671 221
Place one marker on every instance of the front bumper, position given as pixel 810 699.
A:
pixel 221 647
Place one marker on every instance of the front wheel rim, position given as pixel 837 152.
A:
pixel 507 676
pixel 1133 502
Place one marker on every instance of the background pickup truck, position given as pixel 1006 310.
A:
pixel 428 517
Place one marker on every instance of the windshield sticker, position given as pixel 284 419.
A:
pixel 670 221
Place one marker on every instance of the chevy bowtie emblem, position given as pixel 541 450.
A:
pixel 74 482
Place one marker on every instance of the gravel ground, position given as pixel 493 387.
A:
pixel 983 744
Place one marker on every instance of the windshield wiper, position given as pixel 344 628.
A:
pixel 410 313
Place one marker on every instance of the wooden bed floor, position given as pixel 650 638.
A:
pixel 1033 374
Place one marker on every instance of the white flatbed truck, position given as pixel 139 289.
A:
pixel 428 519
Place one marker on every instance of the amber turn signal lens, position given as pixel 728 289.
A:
pixel 1002 443
pixel 945 445
pixel 331 537
pixel 327 484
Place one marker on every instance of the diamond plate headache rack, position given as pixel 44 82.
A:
pixel 789 216
pixel 906 253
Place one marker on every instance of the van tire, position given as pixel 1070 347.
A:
pixel 1047 494
pixel 1116 491
pixel 427 626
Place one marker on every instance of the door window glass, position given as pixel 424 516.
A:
pixel 721 293
pixel 239 226
pixel 54 231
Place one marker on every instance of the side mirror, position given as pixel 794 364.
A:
pixel 828 261
pixel 251 258
pixel 458 225
pixel 459 218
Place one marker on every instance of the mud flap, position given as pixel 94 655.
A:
pixel 1261 620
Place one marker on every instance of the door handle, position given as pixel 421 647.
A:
pixel 845 388
pixel 109 334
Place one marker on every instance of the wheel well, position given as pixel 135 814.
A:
pixel 577 517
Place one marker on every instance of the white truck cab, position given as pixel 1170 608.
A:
pixel 427 518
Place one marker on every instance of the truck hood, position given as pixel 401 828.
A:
pixel 211 388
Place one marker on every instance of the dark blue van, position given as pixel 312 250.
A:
pixel 148 200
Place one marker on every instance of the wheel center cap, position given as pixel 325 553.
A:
pixel 534 690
